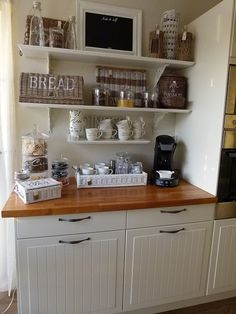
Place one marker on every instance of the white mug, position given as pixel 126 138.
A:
pixel 92 134
pixel 124 135
pixel 104 170
pixel 138 133
pixel 88 170
pixel 99 164
pixel 124 123
pixel 108 133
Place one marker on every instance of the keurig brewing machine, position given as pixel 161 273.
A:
pixel 163 173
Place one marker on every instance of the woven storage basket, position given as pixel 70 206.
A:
pixel 173 91
pixel 47 23
pixel 51 89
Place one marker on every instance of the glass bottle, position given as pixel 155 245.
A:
pixel 56 36
pixel 37 37
pixel 71 40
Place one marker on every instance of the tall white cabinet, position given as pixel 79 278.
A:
pixel 200 134
pixel 222 272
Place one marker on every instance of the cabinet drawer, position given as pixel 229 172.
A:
pixel 169 215
pixel 69 224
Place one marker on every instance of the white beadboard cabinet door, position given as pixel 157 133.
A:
pixel 165 267
pixel 57 278
pixel 222 273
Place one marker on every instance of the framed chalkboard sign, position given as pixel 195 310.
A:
pixel 109 28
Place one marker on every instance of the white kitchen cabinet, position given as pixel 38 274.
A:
pixel 222 272
pixel 61 278
pixel 71 278
pixel 167 263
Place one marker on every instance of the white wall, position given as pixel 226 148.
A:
pixel 152 10
pixel 201 132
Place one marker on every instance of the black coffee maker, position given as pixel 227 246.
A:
pixel 163 174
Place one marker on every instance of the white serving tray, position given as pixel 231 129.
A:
pixel 110 180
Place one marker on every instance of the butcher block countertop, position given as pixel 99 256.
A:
pixel 109 199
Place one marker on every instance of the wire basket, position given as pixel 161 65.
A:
pixel 170 27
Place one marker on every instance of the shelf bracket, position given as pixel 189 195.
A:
pixel 158 73
pixel 49 120
pixel 157 119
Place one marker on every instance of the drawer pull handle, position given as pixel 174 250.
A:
pixel 74 242
pixel 172 231
pixel 173 211
pixel 74 219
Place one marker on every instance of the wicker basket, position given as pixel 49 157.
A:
pixel 173 91
pixel 47 23
pixel 51 89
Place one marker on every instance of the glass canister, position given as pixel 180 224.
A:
pixel 34 154
pixel 122 163
pixel 150 99
pixel 126 98
pixel 100 96
pixel 60 170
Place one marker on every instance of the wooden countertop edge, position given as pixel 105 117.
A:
pixel 75 201
pixel 103 207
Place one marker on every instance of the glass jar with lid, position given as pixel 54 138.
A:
pixel 122 163
pixel 60 170
pixel 126 98
pixel 34 154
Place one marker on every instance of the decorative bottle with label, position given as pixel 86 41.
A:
pixel 37 37
pixel 184 45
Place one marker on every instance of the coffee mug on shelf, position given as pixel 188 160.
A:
pixel 138 133
pixel 92 134
pixel 124 134
pixel 108 133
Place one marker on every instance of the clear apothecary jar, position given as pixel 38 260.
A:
pixel 34 154
pixel 126 98
pixel 60 170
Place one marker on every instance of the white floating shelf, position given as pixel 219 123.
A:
pixel 119 142
pixel 102 58
pixel 103 108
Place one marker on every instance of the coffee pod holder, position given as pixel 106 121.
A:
pixel 110 180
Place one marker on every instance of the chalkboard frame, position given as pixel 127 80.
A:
pixel 129 18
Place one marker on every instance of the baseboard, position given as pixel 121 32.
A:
pixel 183 304
pixel 3 294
